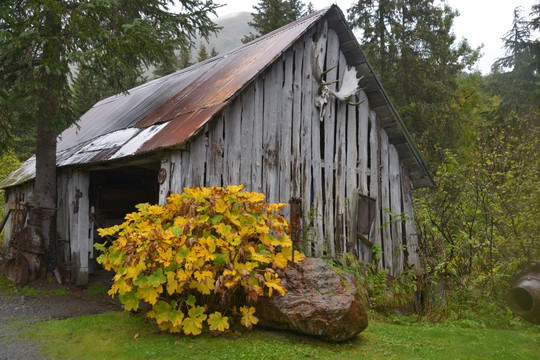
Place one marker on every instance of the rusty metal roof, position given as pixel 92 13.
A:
pixel 168 111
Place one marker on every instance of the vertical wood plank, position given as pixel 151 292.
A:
pixel 257 150
pixel 273 80
pixel 363 142
pixel 317 153
pixel 286 126
pixel 395 203
pixel 332 59
pixel 411 236
pixel 341 204
pixel 232 121
pixel 351 181
pixel 248 118
pixel 79 225
pixel 385 204
pixel 165 187
pixel 197 154
pixel 296 184
pixel 62 215
pixel 307 105
pixel 183 166
pixel 215 152
pixel 362 164
pixel 176 183
pixel 374 182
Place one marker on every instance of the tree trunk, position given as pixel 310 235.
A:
pixel 45 188
pixel 49 114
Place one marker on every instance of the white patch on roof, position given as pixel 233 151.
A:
pixel 110 140
pixel 130 147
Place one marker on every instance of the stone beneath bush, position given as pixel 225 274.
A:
pixel 318 302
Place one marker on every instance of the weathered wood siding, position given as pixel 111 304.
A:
pixel 73 223
pixel 271 139
pixel 21 193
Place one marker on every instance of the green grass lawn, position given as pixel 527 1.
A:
pixel 119 336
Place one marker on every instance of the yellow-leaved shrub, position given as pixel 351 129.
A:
pixel 197 258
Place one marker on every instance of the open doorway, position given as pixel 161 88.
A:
pixel 113 193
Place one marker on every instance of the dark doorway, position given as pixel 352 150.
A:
pixel 115 192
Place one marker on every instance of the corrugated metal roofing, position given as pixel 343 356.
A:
pixel 168 111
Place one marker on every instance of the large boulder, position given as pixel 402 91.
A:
pixel 318 302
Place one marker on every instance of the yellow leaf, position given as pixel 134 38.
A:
pixel 262 228
pixel 259 257
pixel 193 323
pixel 275 207
pixel 204 287
pixel 236 188
pixel 273 282
pixel 149 294
pixel 231 277
pixel 172 283
pixel 218 322
pixel 279 260
pixel 246 231
pixel 202 275
pixel 165 256
pixel 287 252
pixel 121 287
pixel 249 265
pixel 255 197
pixel 134 271
pixel 221 206
pixel 248 318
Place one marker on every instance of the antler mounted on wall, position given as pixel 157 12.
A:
pixel 349 83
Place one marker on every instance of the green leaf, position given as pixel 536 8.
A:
pixel 177 231
pixel 157 278
pixel 191 326
pixel 176 317
pixel 191 300
pixel 216 219
pixel 183 253
pixel 193 323
pixel 150 294
pixel 143 207
pixel 196 312
pixel 100 247
pixel 141 280
pixel 130 301
pixel 218 322
pixel 220 260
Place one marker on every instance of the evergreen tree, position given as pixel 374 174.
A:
pixel 167 67
pixel 273 14
pixel 516 76
pixel 202 54
pixel 39 40
pixel 185 58
pixel 88 88
pixel 213 53
pixel 413 51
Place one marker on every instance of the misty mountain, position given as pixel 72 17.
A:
pixel 235 26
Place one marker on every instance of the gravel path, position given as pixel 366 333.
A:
pixel 18 310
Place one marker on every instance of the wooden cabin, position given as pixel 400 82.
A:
pixel 297 113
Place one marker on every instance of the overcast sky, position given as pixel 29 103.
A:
pixel 480 21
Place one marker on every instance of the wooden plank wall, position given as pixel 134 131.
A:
pixel 24 192
pixel 73 222
pixel 271 139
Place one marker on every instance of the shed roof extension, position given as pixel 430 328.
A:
pixel 168 111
